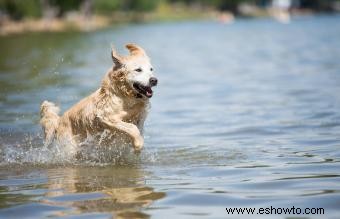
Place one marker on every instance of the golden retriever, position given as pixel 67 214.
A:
pixel 120 105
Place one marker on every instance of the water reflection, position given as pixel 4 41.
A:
pixel 117 191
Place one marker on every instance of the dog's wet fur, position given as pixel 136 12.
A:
pixel 120 105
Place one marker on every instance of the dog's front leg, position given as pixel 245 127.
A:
pixel 129 129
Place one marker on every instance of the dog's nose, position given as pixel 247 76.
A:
pixel 153 81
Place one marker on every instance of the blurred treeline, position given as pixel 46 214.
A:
pixel 19 9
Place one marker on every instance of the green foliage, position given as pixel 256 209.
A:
pixel 66 5
pixel 141 5
pixel 107 6
pixel 18 9
pixel 229 4
pixel 318 4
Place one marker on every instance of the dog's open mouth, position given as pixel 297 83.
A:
pixel 144 90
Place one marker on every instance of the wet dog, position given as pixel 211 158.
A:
pixel 120 105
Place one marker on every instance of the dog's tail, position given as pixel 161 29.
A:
pixel 49 120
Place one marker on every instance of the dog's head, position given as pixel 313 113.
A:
pixel 134 71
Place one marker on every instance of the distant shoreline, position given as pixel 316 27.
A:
pixel 79 23
pixel 89 15
pixel 55 25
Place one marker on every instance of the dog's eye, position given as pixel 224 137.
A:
pixel 151 69
pixel 138 70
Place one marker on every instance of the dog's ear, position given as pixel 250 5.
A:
pixel 116 58
pixel 135 50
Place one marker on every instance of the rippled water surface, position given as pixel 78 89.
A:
pixel 245 115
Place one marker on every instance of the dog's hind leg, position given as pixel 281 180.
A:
pixel 49 120
pixel 66 144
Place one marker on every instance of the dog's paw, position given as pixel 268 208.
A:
pixel 138 144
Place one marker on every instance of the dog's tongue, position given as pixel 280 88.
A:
pixel 148 92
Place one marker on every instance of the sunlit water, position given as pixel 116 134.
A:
pixel 245 115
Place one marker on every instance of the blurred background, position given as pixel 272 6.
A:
pixel 57 15
pixel 246 113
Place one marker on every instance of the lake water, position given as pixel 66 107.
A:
pixel 245 115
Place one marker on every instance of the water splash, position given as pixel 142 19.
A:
pixel 30 150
